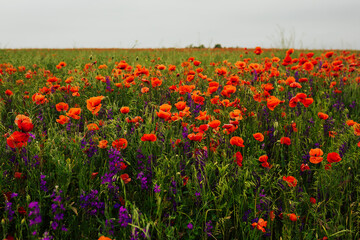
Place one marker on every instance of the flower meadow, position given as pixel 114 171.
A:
pixel 179 144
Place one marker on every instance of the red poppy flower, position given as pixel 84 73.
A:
pixel 74 113
pixel 308 66
pixel 350 123
pixel 291 181
pixel 39 99
pixel 356 129
pixel 239 159
pixel 18 175
pixel 17 139
pixel 304 167
pixel 94 174
pixel 120 143
pixel 195 137
pixel 259 137
pixel 263 158
pixel 125 110
pixel 9 92
pixel 149 137
pixel 103 144
pixel 163 114
pixel 62 119
pixel 21 211
pixel 93 127
pixel 24 123
pixel 333 157
pixel 285 140
pixel 62 107
pixel 258 50
pixel 293 217
pixel 323 116
pixel 125 178
pixel 214 124
pixel 180 105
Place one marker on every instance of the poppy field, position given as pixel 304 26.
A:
pixel 179 144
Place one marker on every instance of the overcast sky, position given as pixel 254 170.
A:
pixel 311 24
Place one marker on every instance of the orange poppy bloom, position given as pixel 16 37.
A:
pixel 149 138
pixel 120 143
pixel 350 123
pixel 39 99
pixel 323 116
pixel 62 107
pixel 74 113
pixel 203 116
pixel 228 90
pixel 272 102
pixel 186 89
pixel 259 137
pixel 285 140
pixel 144 90
pixel 236 114
pixel 18 139
pixel 24 123
pixel 93 127
pixel 293 217
pixel 180 105
pixel 333 157
pixel 62 119
pixel 155 82
pixel 103 144
pixel 104 238
pixel 163 114
pixel 94 104
pixel 237 141
pixel 214 124
pixel 315 155
pixel 125 110
pixel 260 225
pixel 161 67
pixel 357 129
pixel 291 181
pixel 221 71
pixel 316 152
pixel 165 107
pixel 263 158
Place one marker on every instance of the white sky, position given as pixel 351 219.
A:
pixel 309 24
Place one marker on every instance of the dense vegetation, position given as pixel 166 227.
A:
pixel 179 144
